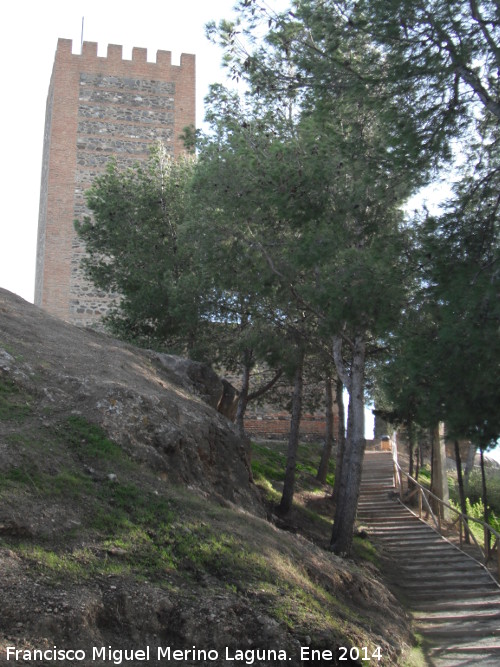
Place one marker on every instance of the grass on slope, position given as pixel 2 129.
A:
pixel 95 513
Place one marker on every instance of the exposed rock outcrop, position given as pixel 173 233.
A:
pixel 128 518
pixel 161 409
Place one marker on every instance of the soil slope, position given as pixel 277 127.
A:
pixel 129 521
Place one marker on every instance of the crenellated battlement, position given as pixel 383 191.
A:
pixel 99 108
pixel 115 56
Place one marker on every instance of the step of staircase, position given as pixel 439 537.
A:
pixel 454 600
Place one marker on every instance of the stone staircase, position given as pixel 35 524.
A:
pixel 454 600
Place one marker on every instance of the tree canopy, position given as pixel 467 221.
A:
pixel 137 247
pixel 287 235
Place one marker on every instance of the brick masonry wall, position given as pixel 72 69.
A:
pixel 269 424
pixel 268 419
pixel 98 108
pixel 277 426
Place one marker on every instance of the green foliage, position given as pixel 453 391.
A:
pixel 60 566
pixel 318 163
pixel 89 440
pixel 442 55
pixel 476 511
pixel 137 529
pixel 289 226
pixel 474 490
pixel 464 251
pixel 121 505
pixel 15 404
pixel 365 550
pixel 69 484
pixel 136 248
pixel 65 483
pixel 445 358
pixel 17 476
pixel 425 473
pixel 446 350
pixel 269 461
pixel 416 657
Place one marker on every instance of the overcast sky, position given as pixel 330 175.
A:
pixel 28 42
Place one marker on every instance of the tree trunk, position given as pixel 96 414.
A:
pixel 439 480
pixel 327 448
pixel 339 487
pixel 420 459
pixel 486 517
pixel 461 490
pixel 341 446
pixel 348 494
pixel 469 464
pixel 293 440
pixel 339 399
pixel 412 446
pixel 243 397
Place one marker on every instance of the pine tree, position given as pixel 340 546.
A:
pixel 311 175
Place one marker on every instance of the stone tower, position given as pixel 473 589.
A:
pixel 98 107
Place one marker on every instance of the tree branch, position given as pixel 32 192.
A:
pixel 290 285
pixel 339 362
pixel 266 387
pixel 476 15
pixel 467 75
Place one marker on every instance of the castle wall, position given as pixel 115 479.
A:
pixel 271 425
pixel 268 419
pixel 98 108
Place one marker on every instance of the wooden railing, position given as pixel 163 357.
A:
pixel 491 537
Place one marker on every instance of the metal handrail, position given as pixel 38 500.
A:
pixel 424 495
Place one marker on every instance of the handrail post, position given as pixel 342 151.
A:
pixel 464 520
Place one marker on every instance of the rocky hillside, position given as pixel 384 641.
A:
pixel 129 521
